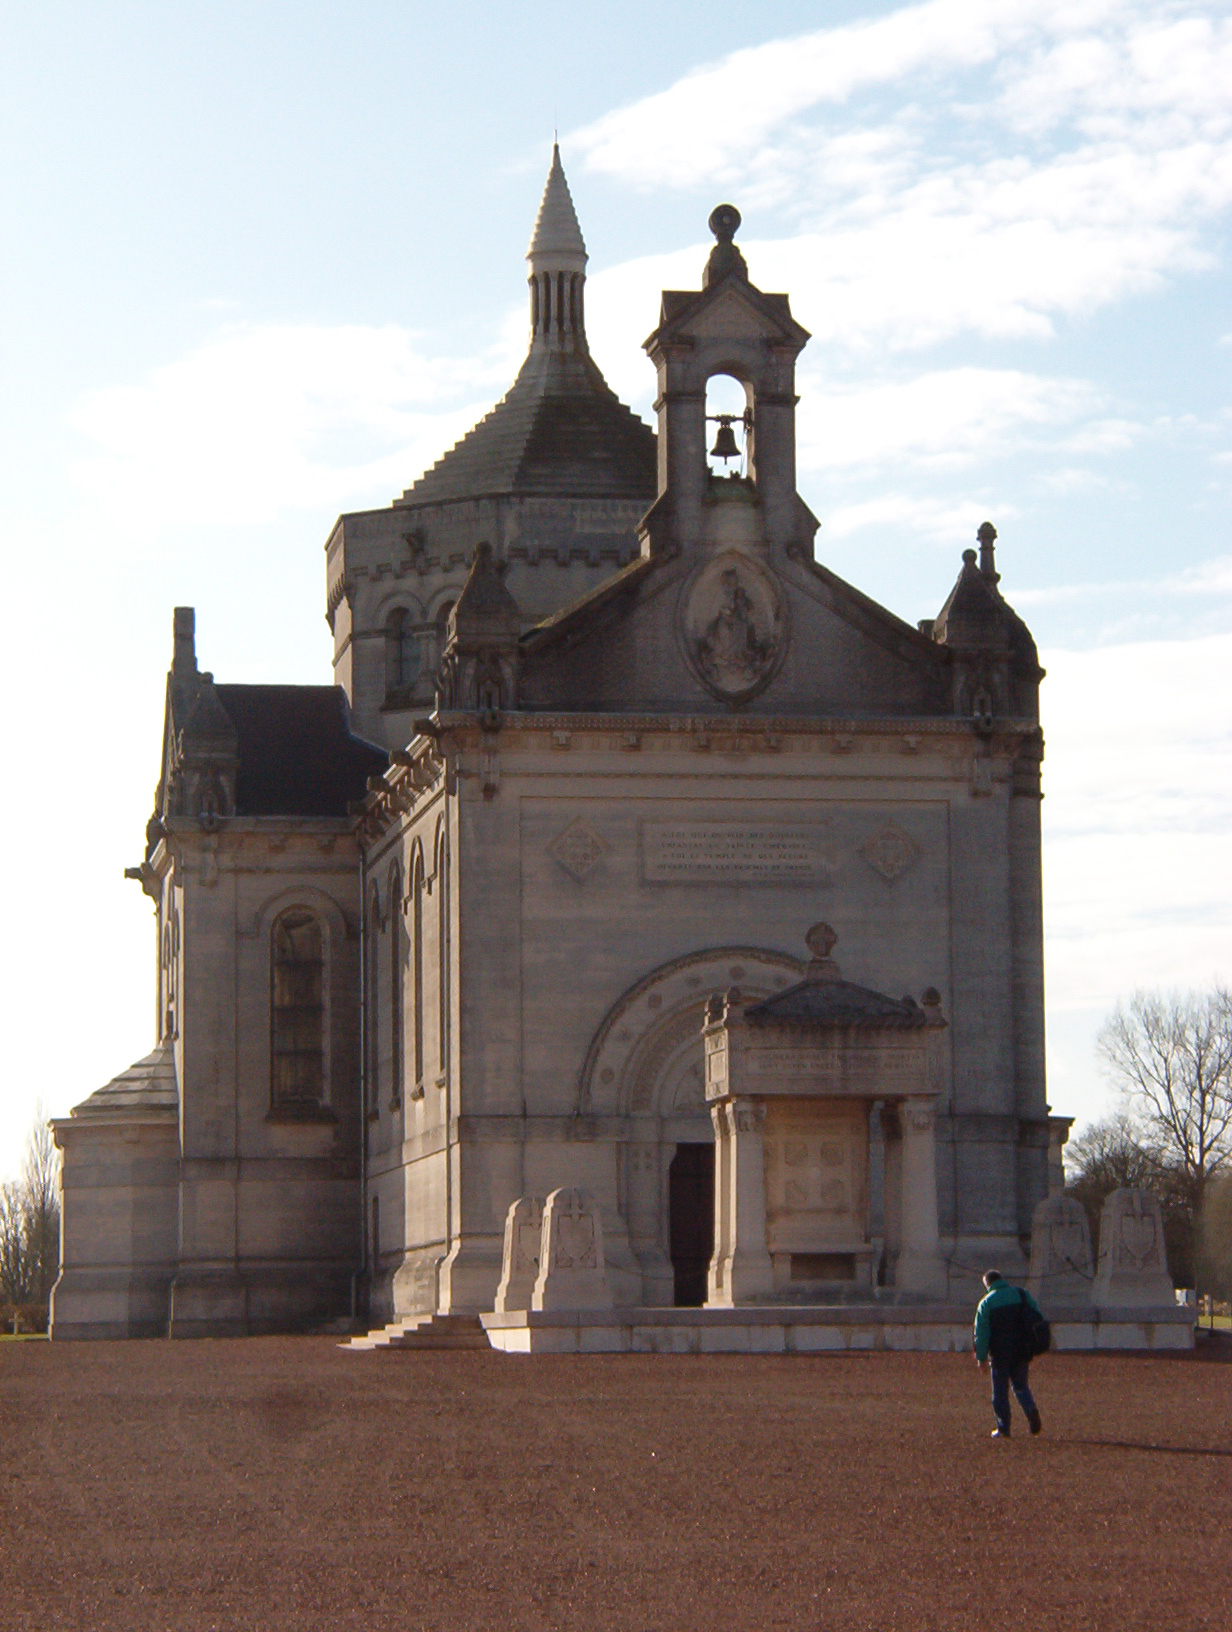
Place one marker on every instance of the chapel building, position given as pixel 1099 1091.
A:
pixel 605 740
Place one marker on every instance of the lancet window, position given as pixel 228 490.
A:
pixel 397 986
pixel 297 1010
pixel 416 906
pixel 442 951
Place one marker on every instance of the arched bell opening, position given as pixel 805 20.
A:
pixel 729 428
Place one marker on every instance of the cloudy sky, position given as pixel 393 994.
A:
pixel 262 262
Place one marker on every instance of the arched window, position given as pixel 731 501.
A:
pixel 397 988
pixel 402 654
pixel 297 1010
pixel 417 895
pixel 442 951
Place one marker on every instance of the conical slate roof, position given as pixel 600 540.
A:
pixel 149 1085
pixel 556 244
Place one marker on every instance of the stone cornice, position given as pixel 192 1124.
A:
pixel 907 734
pixel 415 777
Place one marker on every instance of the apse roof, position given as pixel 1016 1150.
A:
pixel 149 1085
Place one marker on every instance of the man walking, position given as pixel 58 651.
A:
pixel 1001 1336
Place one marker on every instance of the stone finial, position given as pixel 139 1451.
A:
pixel 520 1261
pixel 184 641
pixel 930 1002
pixel 725 258
pixel 820 942
pixel 987 538
pixel 571 1271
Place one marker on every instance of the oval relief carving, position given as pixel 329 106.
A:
pixel 732 625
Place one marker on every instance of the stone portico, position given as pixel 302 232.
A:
pixel 791 1083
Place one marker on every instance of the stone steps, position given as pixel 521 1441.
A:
pixel 423 1332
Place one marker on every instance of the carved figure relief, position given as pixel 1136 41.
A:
pixel 579 850
pixel 890 853
pixel 732 626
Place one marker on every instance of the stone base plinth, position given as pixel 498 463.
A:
pixel 830 1329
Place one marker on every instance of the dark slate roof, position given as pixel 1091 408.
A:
pixel 559 431
pixel 297 754
pixel 825 1003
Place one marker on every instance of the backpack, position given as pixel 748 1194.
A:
pixel 1034 1332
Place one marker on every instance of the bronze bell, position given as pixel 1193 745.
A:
pixel 725 442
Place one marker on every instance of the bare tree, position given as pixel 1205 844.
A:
pixel 1111 1155
pixel 30 1221
pixel 1172 1058
pixel 1118 1154
pixel 1217 1236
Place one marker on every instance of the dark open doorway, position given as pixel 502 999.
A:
pixel 690 1192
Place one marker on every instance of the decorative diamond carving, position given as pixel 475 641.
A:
pixel 579 850
pixel 890 853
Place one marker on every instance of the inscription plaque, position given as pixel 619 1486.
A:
pixel 863 1072
pixel 732 853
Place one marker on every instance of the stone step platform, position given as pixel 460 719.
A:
pixel 423 1332
pixel 816 1329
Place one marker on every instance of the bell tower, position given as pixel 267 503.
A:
pixel 728 327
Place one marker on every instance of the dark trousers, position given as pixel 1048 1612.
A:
pixel 1003 1377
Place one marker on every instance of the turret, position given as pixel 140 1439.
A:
pixel 557 278
pixel 996 667
pixel 728 327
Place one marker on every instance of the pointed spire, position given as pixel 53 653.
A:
pixel 556 244
pixel 557 277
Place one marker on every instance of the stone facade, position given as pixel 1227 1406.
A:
pixel 606 740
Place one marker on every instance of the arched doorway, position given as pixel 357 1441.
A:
pixel 644 1068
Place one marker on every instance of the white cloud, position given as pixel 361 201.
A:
pixel 941 421
pixel 262 420
pixel 1078 166
pixel 917 516
pixel 1137 820
pixel 1204 581
pixel 711 121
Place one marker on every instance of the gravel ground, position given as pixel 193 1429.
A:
pixel 279 1482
